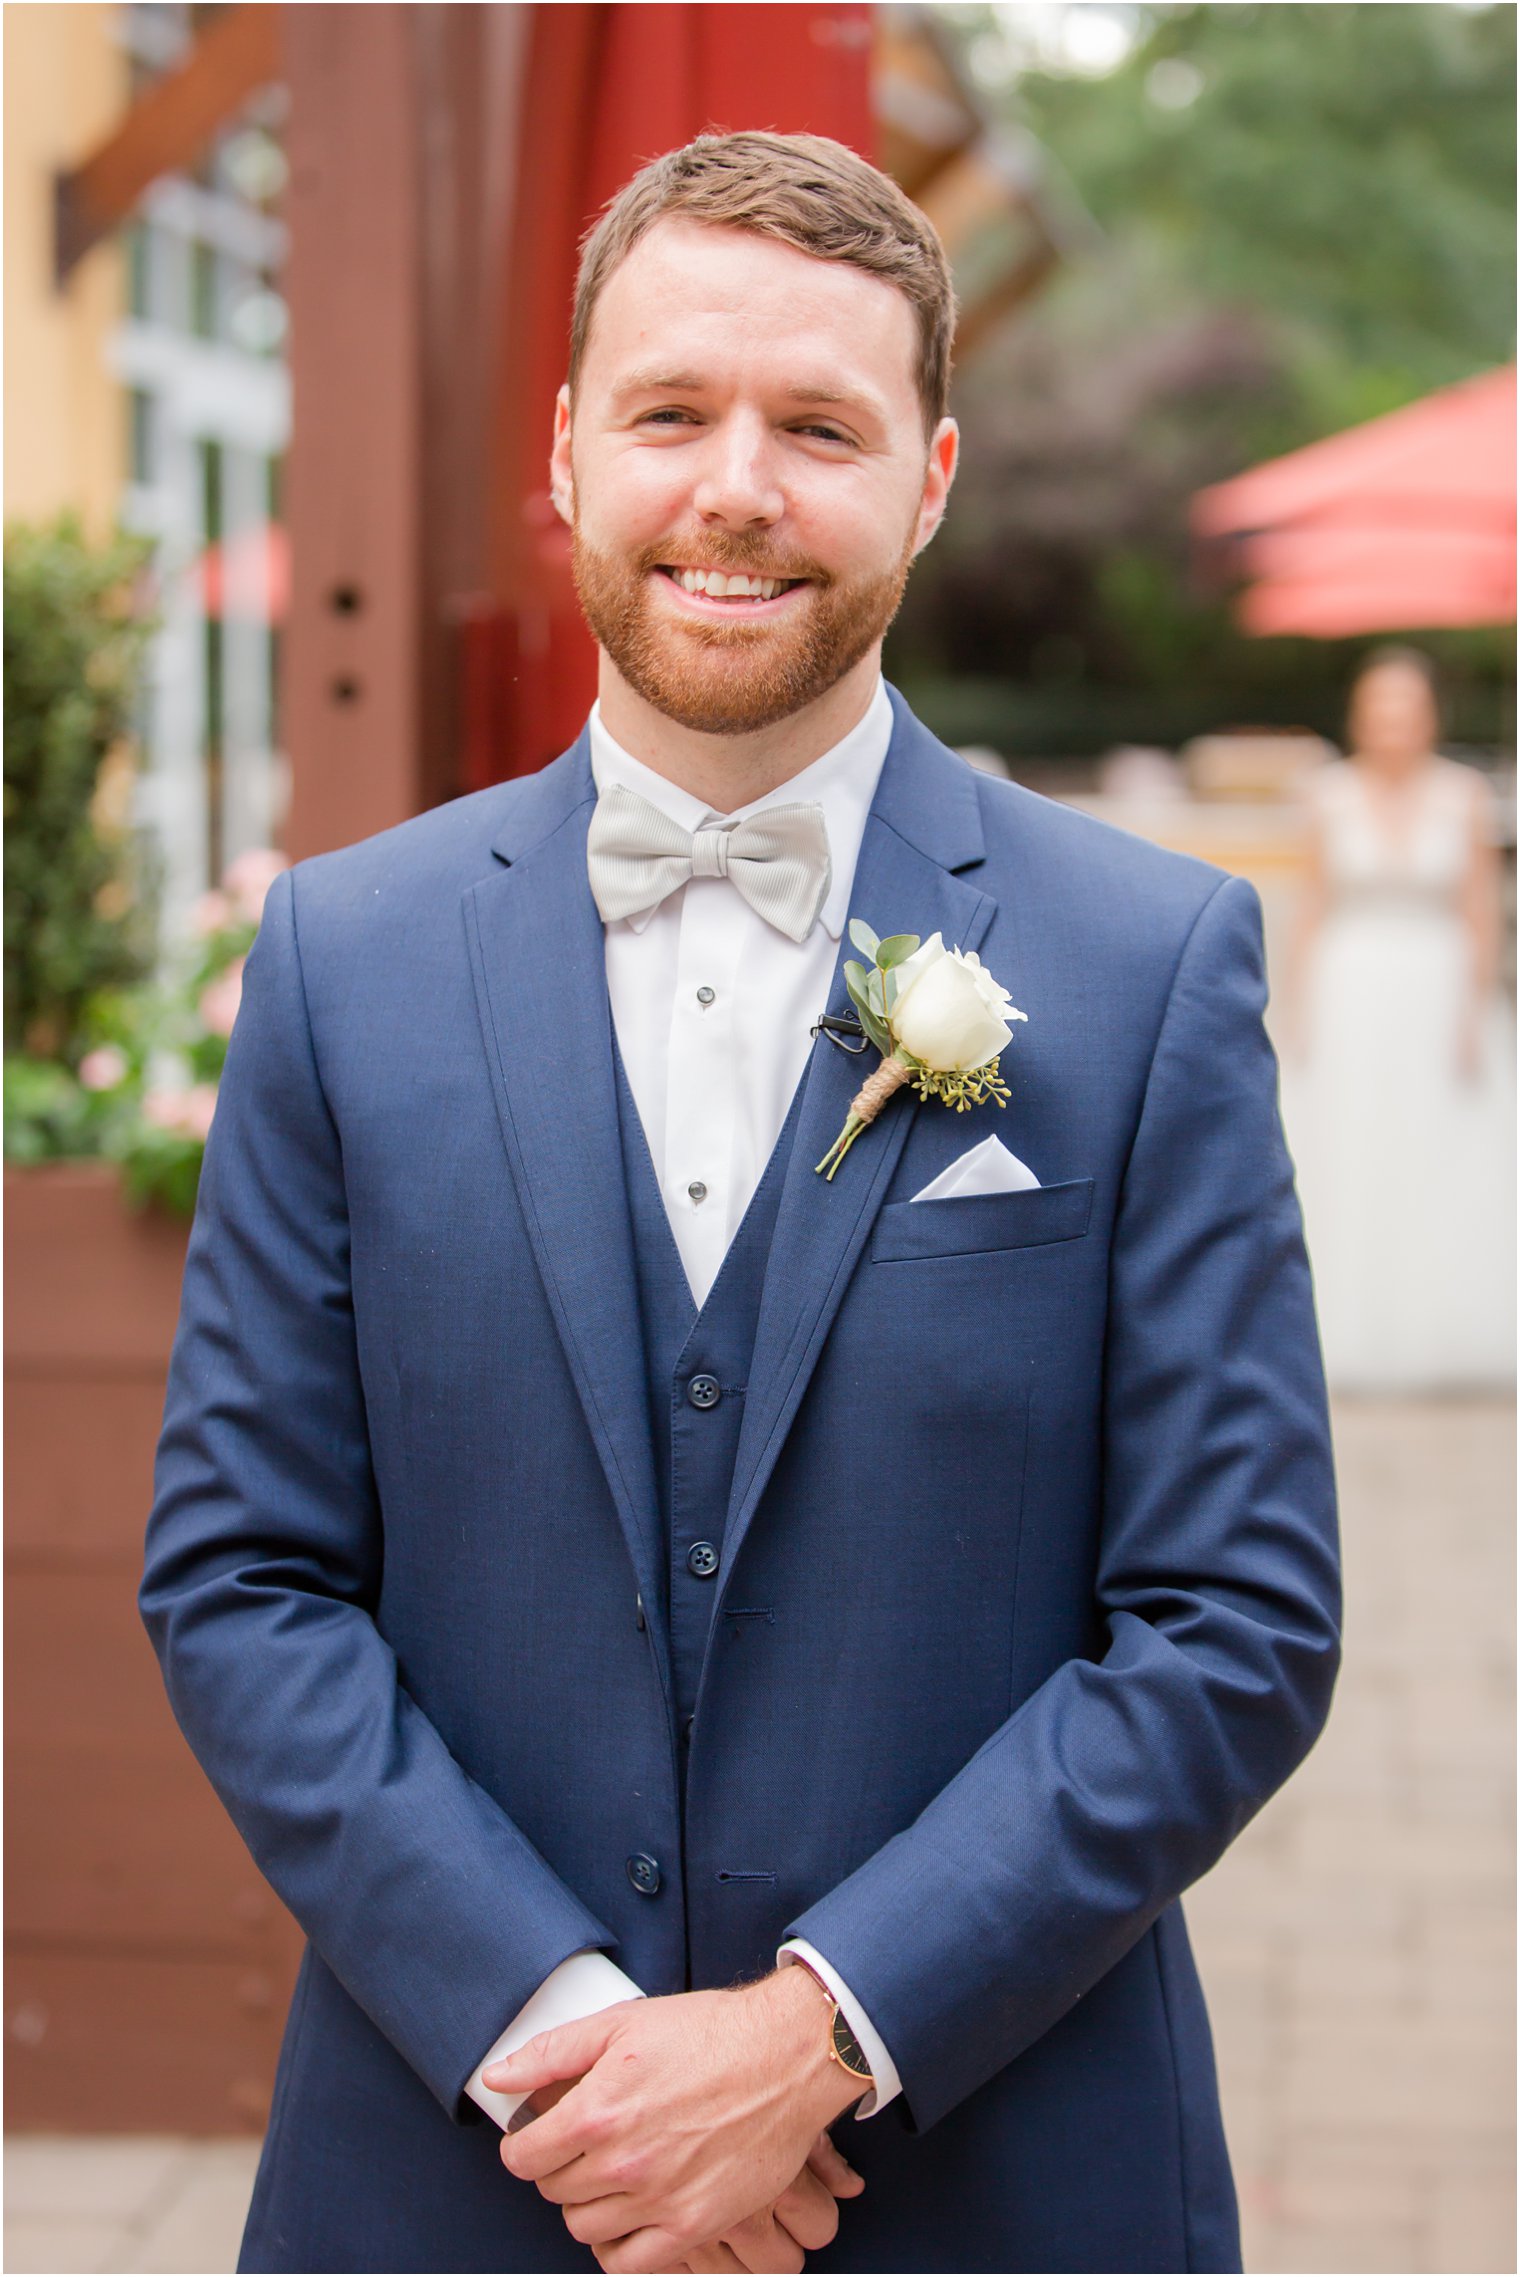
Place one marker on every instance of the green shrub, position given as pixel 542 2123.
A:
pixel 77 923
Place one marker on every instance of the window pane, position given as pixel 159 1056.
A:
pixel 139 282
pixel 140 445
pixel 203 293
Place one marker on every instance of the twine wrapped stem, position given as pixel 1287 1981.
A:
pixel 866 1105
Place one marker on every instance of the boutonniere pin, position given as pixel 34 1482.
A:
pixel 937 1017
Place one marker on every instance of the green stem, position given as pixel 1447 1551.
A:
pixel 841 1146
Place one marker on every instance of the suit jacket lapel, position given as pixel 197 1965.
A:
pixel 541 992
pixel 540 977
pixel 924 825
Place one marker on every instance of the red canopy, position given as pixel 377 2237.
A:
pixel 1402 524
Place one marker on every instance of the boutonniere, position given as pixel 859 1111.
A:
pixel 937 1017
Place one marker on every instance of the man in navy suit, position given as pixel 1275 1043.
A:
pixel 702 1647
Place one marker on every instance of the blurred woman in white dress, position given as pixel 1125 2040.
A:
pixel 1398 1082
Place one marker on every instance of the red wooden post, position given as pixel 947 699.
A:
pixel 445 164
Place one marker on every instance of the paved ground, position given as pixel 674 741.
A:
pixel 124 2202
pixel 1357 1943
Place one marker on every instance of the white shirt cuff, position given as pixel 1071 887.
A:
pixel 578 1987
pixel 883 2070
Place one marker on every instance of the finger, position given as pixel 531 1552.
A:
pixel 652 2250
pixel 762 2244
pixel 563 2053
pixel 833 2169
pixel 541 2100
pixel 603 2220
pixel 701 2260
pixel 551 2146
pixel 808 2212
pixel 576 2184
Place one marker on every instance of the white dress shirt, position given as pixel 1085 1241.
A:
pixel 713 1010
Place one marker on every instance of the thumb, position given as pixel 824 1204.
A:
pixel 833 2169
pixel 563 2053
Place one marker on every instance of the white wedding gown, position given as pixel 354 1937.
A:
pixel 1405 1165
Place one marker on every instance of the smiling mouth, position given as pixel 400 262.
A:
pixel 736 587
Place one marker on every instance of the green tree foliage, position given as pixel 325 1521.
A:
pixel 75 924
pixel 1305 217
pixel 1346 171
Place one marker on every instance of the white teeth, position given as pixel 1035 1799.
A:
pixel 720 588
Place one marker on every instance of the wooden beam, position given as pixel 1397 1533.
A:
pixel 166 129
pixel 354 494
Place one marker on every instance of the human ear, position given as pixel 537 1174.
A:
pixel 944 454
pixel 561 473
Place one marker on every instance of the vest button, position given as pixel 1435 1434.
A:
pixel 644 1873
pixel 704 1391
pixel 686 1728
pixel 702 1559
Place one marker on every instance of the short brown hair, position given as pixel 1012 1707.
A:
pixel 808 192
pixel 1403 658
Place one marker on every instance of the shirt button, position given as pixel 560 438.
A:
pixel 702 1559
pixel 697 1190
pixel 704 1391
pixel 706 995
pixel 644 1873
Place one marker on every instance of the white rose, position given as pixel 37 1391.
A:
pixel 950 1013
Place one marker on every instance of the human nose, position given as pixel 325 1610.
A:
pixel 737 484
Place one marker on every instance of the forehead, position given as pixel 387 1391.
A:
pixel 729 297
pixel 1393 677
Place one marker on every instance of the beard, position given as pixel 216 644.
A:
pixel 731 679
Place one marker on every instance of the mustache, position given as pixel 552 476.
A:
pixel 750 555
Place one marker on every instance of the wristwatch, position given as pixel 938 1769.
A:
pixel 844 2048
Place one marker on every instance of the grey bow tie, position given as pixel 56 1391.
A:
pixel 778 859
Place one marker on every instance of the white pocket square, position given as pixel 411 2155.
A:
pixel 985 1169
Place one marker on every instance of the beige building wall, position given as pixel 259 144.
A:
pixel 66 87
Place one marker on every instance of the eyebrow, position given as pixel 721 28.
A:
pixel 653 380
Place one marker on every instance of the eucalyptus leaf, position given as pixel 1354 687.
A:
pixel 892 952
pixel 862 936
pixel 868 1020
pixel 855 978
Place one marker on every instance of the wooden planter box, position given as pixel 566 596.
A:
pixel 148 1965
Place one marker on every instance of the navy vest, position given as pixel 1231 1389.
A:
pixel 696 1371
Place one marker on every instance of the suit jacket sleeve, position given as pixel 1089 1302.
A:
pixel 264 1555
pixel 1123 1778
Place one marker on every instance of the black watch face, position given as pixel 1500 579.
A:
pixel 848 2049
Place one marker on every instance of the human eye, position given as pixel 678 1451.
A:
pixel 824 431
pixel 666 415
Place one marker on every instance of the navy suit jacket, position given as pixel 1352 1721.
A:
pixel 1028 1596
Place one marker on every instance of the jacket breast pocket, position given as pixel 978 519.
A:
pixel 969 1224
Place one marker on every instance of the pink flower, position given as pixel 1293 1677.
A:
pixel 220 999
pixel 187 1113
pixel 249 878
pixel 210 914
pixel 103 1068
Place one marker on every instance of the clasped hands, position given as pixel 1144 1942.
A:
pixel 693 2133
